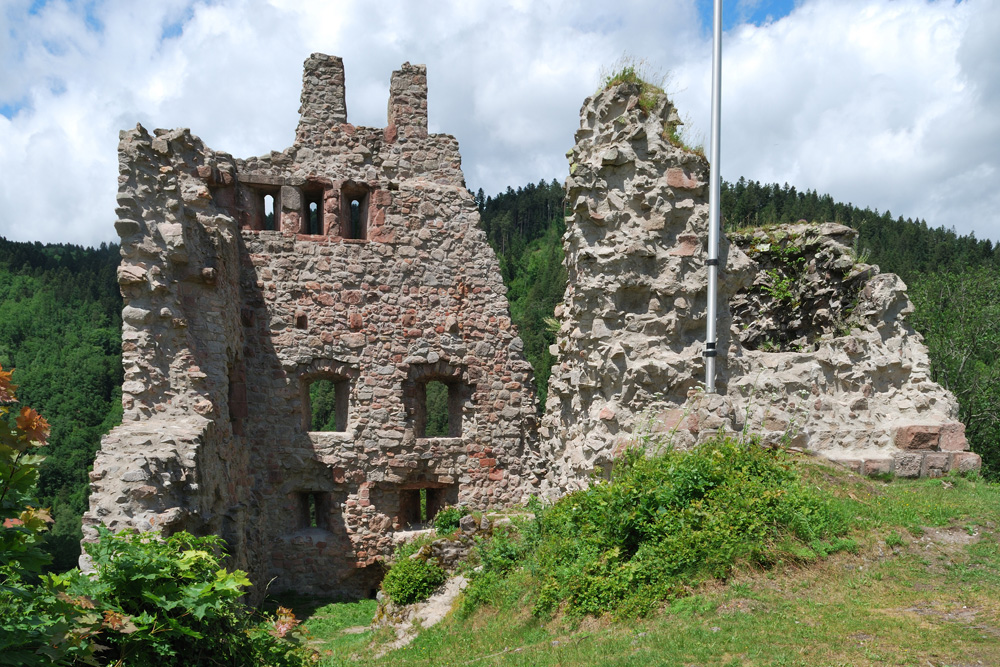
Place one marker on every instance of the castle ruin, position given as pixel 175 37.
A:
pixel 370 271
pixel 356 258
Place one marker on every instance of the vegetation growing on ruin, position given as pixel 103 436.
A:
pixel 635 73
pixel 413 575
pixel 918 587
pixel 662 524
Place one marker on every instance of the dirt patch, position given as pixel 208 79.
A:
pixel 740 606
pixel 949 536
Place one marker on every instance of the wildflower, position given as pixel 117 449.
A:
pixel 285 622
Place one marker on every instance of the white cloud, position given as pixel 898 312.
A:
pixel 888 104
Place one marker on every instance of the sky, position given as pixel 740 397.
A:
pixel 887 104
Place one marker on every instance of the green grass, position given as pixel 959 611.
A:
pixel 327 625
pixel 919 588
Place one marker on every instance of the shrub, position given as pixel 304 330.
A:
pixel 170 602
pixel 660 525
pixel 447 519
pixel 409 579
pixel 156 602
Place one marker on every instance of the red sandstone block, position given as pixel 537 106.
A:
pixel 496 475
pixel 677 178
pixel 936 464
pixel 486 463
pixel 876 466
pixel 953 438
pixel 966 461
pixel 920 437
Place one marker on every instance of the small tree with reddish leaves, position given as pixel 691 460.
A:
pixel 23 521
pixel 38 625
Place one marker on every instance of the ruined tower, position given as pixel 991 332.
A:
pixel 355 257
pixel 820 354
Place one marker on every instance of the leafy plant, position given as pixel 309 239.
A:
pixel 447 519
pixel 153 602
pixel 413 576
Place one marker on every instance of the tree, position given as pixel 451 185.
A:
pixel 959 316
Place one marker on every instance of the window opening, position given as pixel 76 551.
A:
pixel 354 211
pixel 313 509
pixel 301 321
pixel 420 506
pixel 328 403
pixel 437 410
pixel 315 223
pixel 269 213
pixel 355 219
pixel 312 222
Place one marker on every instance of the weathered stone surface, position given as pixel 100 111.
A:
pixel 820 354
pixel 918 437
pixel 368 266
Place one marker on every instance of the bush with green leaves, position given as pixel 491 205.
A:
pixel 447 519
pixel 413 575
pixel 662 524
pixel 169 601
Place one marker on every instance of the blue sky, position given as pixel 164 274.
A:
pixel 734 13
pixel 889 104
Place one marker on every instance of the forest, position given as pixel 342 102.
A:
pixel 60 323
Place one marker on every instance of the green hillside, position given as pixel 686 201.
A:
pixel 60 329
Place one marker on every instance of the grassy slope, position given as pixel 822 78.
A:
pixel 922 591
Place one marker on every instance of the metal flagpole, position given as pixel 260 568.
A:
pixel 713 200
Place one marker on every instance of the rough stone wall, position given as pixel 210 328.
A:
pixel 633 317
pixel 373 273
pixel 829 363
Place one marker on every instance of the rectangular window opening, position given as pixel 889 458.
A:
pixel 418 507
pixel 327 405
pixel 313 509
pixel 354 211
pixel 439 410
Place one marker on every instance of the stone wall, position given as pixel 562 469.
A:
pixel 820 355
pixel 372 272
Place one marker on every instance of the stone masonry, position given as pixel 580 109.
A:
pixel 821 355
pixel 354 256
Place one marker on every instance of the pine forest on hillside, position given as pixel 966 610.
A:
pixel 60 325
